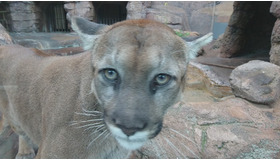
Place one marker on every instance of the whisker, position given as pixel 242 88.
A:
pixel 162 150
pixel 189 150
pixel 173 130
pixel 97 138
pixel 89 125
pixel 94 127
pixel 90 120
pixel 91 92
pixel 86 114
pixel 174 147
pixel 105 137
pixel 98 129
pixel 156 148
pixel 87 111
pixel 108 48
pixel 178 51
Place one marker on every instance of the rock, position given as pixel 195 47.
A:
pixel 275 47
pixel 83 9
pixel 5 38
pixel 231 128
pixel 201 20
pixel 167 14
pixel 256 81
pixel 249 29
pixel 234 36
pixel 136 10
pixel 275 54
pixel 45 41
pixel 8 141
pixel 275 9
pixel 208 78
pixel 24 17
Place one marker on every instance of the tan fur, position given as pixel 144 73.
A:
pixel 48 100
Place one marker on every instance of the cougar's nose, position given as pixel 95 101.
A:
pixel 129 131
pixel 128 125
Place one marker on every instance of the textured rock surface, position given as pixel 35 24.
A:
pixel 213 80
pixel 136 10
pixel 275 37
pixel 249 29
pixel 8 143
pixel 256 81
pixel 201 20
pixel 231 128
pixel 83 9
pixel 47 40
pixel 5 38
pixel 24 16
pixel 191 16
pixel 275 9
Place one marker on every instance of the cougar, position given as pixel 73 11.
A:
pixel 102 103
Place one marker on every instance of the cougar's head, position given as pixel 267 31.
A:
pixel 140 67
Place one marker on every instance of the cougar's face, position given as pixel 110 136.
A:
pixel 138 75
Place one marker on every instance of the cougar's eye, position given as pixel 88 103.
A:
pixel 110 74
pixel 162 79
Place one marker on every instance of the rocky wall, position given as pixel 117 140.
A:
pixel 25 16
pixel 191 16
pixel 249 30
pixel 83 9
pixel 275 37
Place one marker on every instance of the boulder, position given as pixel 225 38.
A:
pixel 227 129
pixel 249 29
pixel 256 81
pixel 211 79
pixel 24 17
pixel 275 47
pixel 136 10
pixel 167 14
pixel 82 9
pixel 5 38
pixel 201 20
pixel 275 9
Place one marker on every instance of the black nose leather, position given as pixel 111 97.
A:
pixel 128 131
pixel 130 127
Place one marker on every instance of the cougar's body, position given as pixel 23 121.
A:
pixel 31 81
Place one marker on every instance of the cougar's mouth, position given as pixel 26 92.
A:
pixel 132 142
pixel 136 140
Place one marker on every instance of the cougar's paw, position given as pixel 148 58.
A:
pixel 25 156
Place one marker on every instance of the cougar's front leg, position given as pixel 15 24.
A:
pixel 25 150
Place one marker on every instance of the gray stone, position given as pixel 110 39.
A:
pixel 25 16
pixel 248 30
pixel 275 47
pixel 256 81
pixel 207 78
pixel 275 9
pixel 136 10
pixel 275 54
pixel 230 128
pixel 201 21
pixel 5 38
pixel 82 9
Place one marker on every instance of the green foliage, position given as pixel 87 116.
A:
pixel 182 34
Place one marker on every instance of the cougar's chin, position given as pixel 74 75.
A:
pixel 133 142
pixel 130 144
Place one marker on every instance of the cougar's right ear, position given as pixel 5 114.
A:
pixel 87 30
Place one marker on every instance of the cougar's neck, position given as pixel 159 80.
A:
pixel 87 74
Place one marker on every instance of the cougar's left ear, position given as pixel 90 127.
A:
pixel 195 45
pixel 87 30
